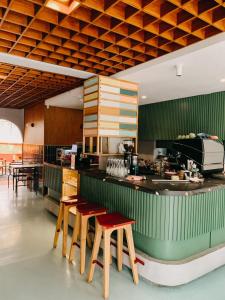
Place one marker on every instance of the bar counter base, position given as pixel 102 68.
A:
pixel 166 273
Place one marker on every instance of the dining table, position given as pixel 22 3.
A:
pixel 20 172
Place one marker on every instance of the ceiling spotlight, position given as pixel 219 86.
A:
pixel 63 6
pixel 222 80
pixel 179 70
pixel 143 97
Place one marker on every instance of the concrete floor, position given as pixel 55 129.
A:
pixel 31 269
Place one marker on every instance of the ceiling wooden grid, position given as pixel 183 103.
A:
pixel 106 36
pixel 20 87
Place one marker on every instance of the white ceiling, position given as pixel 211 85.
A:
pixel 203 67
pixel 70 99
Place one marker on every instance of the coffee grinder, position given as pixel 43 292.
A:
pixel 130 158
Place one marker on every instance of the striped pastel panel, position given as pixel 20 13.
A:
pixel 128 133
pixel 127 120
pixel 91 96
pixel 91 110
pixel 91 89
pixel 111 132
pixel 91 81
pixel 128 85
pixel 128 106
pixel 90 103
pixel 90 132
pixel 108 96
pixel 90 118
pixel 109 111
pixel 90 125
pixel 108 132
pixel 109 125
pixel 109 81
pixel 118 104
pixel 128 99
pixel 119 119
pixel 109 89
pixel 118 83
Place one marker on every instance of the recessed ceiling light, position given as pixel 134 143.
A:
pixel 222 80
pixel 63 6
pixel 143 97
pixel 3 76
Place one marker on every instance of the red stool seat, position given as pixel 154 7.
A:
pixel 114 220
pixel 90 208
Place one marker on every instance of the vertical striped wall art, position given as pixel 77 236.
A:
pixel 110 108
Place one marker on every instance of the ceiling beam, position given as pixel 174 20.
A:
pixel 43 66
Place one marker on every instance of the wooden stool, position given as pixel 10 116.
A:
pixel 105 225
pixel 66 203
pixel 84 212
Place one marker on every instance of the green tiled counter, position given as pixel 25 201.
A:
pixel 167 227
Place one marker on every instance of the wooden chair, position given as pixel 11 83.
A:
pixel 105 225
pixel 84 213
pixel 11 171
pixel 66 203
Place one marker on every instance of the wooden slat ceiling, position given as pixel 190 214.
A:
pixel 106 36
pixel 20 87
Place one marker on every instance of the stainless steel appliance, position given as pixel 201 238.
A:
pixel 206 153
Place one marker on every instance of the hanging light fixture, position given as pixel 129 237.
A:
pixel 63 6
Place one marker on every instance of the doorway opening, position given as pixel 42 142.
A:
pixel 11 140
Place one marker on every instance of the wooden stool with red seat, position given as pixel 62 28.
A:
pixel 105 225
pixel 66 203
pixel 84 213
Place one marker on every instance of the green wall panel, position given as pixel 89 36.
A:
pixel 166 120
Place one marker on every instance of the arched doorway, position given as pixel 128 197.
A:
pixel 11 140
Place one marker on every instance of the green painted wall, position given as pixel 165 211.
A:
pixel 166 120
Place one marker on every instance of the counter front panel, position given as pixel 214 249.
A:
pixel 168 227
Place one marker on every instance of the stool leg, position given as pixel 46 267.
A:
pixel 83 238
pixel 130 244
pixel 76 230
pixel 58 225
pixel 65 229
pixel 106 263
pixel 89 243
pixel 120 249
pixel 94 255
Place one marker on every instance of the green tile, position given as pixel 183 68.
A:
pixel 125 112
pixel 128 92
pixel 128 126
pixel 90 118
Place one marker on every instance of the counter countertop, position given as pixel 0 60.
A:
pixel 162 188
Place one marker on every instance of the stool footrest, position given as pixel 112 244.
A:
pixel 98 263
pixel 76 244
pixel 137 260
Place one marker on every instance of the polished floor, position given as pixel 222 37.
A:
pixel 31 269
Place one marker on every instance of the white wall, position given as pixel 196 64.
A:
pixel 16 116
